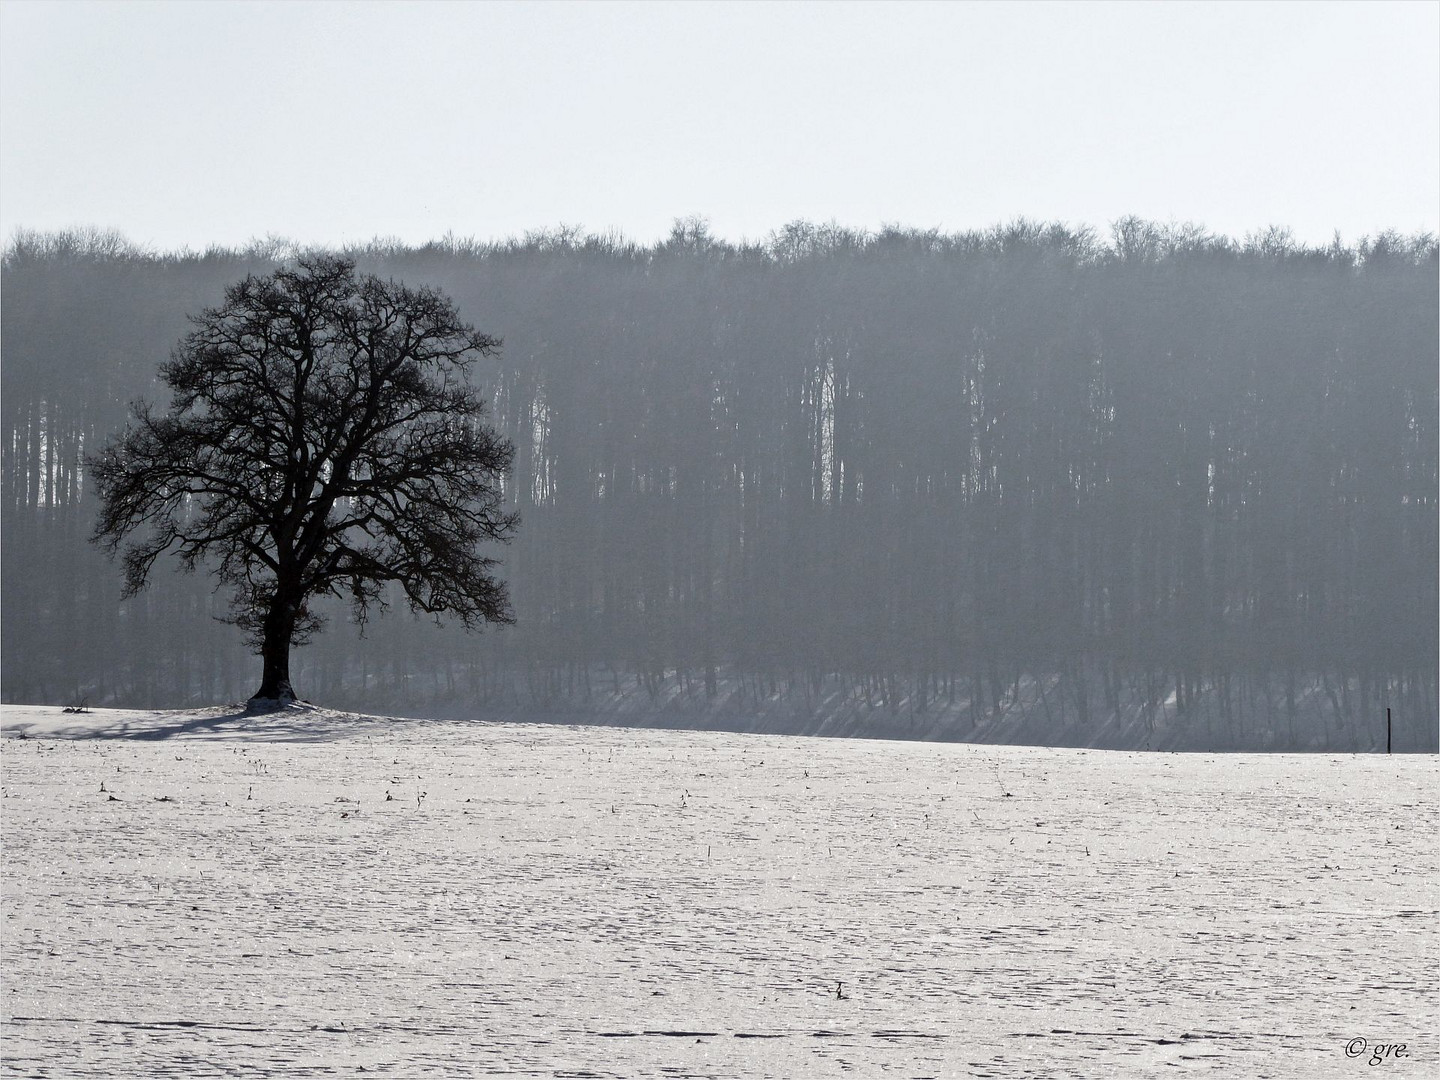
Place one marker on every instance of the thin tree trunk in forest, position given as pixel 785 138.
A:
pixel 1110 680
pixel 1082 696
pixel 32 486
pixel 1290 702
pixel 1040 683
pixel 1334 707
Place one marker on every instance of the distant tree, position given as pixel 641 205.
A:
pixel 323 439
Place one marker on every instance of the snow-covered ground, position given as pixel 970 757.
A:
pixel 312 894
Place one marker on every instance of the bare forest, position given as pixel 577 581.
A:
pixel 1152 488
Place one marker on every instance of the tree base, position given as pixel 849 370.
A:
pixel 258 704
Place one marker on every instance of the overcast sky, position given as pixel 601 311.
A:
pixel 187 124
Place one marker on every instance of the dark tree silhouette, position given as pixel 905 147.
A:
pixel 323 438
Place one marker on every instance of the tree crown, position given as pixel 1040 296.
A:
pixel 322 439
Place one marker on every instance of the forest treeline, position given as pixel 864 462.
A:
pixel 1156 478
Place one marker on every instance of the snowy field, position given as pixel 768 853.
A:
pixel 310 894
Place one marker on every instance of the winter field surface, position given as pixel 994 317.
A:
pixel 314 894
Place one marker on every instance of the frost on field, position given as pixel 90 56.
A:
pixel 305 894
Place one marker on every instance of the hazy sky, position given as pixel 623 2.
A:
pixel 199 123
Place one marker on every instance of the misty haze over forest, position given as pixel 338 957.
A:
pixel 1034 484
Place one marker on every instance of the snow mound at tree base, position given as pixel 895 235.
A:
pixel 259 705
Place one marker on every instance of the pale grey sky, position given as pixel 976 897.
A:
pixel 197 123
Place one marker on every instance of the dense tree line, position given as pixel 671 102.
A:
pixel 1157 479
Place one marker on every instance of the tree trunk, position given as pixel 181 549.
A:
pixel 279 626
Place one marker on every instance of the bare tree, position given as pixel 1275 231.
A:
pixel 323 439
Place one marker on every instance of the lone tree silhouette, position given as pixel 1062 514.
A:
pixel 323 439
